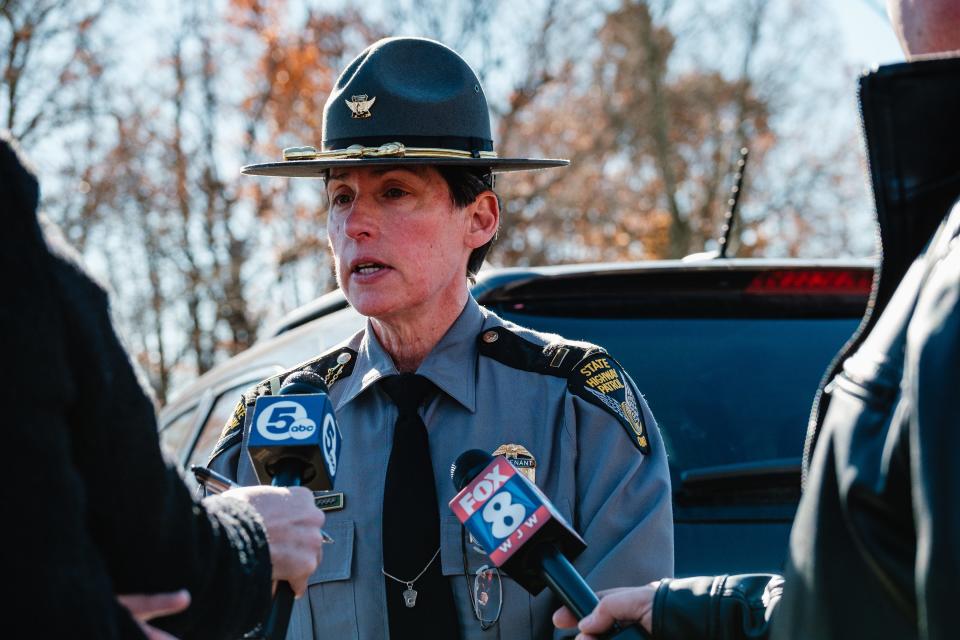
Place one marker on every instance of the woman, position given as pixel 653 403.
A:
pixel 408 163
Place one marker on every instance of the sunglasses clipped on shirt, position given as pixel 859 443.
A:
pixel 485 588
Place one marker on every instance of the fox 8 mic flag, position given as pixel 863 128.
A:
pixel 500 510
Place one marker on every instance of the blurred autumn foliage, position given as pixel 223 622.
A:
pixel 651 100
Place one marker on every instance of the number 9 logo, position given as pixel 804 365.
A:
pixel 503 515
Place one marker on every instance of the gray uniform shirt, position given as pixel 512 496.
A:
pixel 586 463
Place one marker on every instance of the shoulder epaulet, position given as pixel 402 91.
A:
pixel 553 359
pixel 331 366
pixel 591 373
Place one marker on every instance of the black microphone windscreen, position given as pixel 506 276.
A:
pixel 303 382
pixel 468 465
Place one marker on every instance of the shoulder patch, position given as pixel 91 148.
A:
pixel 591 374
pixel 601 380
pixel 232 431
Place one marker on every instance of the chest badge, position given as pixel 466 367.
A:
pixel 521 459
pixel 360 105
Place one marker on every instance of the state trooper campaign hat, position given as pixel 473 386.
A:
pixel 402 101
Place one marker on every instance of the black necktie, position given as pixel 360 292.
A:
pixel 411 523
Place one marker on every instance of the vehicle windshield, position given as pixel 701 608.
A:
pixel 724 391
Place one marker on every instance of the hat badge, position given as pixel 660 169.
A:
pixel 360 105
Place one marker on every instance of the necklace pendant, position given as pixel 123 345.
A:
pixel 410 597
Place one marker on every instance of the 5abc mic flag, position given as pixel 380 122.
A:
pixel 304 425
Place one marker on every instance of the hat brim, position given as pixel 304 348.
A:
pixel 318 168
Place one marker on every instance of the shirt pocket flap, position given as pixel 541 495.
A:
pixel 338 555
pixel 451 549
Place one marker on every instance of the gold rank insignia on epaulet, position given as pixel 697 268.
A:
pixel 591 374
pixel 337 365
pixel 332 366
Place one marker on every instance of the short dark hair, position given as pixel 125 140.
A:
pixel 465 184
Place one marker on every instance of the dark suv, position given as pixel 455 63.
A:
pixel 727 352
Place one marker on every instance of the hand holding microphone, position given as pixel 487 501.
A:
pixel 293 525
pixel 522 533
pixel 218 484
pixel 620 605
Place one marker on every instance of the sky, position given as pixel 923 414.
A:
pixel 867 34
pixel 866 40
pixel 867 37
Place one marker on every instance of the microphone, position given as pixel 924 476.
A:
pixel 522 532
pixel 294 441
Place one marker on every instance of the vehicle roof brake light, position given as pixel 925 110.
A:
pixel 812 281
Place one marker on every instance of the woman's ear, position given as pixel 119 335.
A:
pixel 483 219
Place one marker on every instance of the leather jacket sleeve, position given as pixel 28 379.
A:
pixel 932 413
pixel 716 607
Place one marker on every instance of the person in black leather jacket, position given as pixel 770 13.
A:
pixel 90 506
pixel 875 547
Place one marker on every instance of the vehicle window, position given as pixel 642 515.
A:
pixel 212 426
pixel 724 391
pixel 175 434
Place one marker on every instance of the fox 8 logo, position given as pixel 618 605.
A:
pixel 504 511
pixel 503 514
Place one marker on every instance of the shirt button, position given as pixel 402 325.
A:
pixel 491 336
pixel 343 358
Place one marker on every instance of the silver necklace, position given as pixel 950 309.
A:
pixel 410 594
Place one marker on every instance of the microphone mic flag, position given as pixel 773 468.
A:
pixel 294 438
pixel 507 515
pixel 294 441
pixel 522 532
